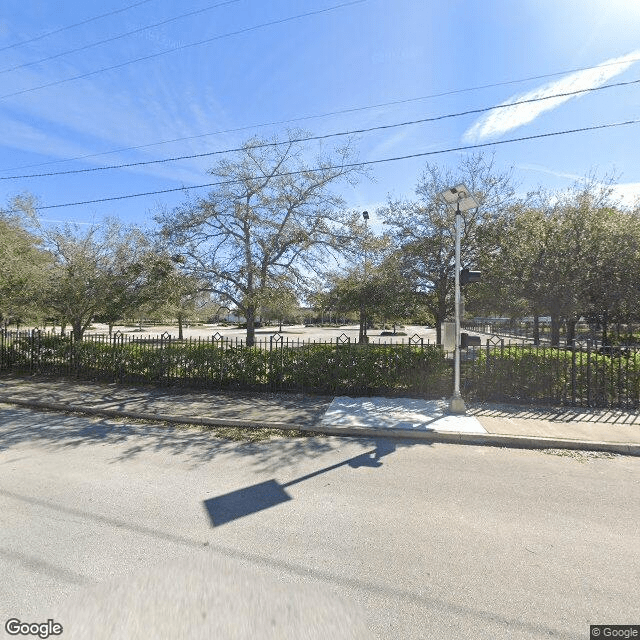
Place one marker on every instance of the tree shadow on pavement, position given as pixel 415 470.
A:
pixel 193 445
pixel 179 401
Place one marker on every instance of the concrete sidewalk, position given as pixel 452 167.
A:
pixel 496 425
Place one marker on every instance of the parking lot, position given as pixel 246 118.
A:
pixel 289 332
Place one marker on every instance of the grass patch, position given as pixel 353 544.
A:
pixel 258 433
pixel 246 434
pixel 579 455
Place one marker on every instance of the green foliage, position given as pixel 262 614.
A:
pixel 521 374
pixel 358 368
pixel 624 339
pixel 23 265
pixel 555 376
pixel 566 256
pixel 424 229
pixel 38 350
pixel 325 368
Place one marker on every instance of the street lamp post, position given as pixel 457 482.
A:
pixel 363 318
pixel 462 198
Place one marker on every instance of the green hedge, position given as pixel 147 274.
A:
pixel 320 368
pixel 522 374
pixel 555 376
pixel 352 368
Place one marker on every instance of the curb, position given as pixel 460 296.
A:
pixel 151 417
pixel 484 439
pixel 445 437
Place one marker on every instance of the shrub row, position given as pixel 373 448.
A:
pixel 319 368
pixel 547 375
pixel 521 374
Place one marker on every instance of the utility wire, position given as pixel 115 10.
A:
pixel 352 165
pixel 185 46
pixel 324 136
pixel 314 117
pixel 122 35
pixel 77 24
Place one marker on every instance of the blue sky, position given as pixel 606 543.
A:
pixel 368 53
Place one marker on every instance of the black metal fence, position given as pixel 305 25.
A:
pixel 414 367
pixel 524 330
pixel 583 375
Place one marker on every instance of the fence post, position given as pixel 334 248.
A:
pixel 32 336
pixel 165 357
pixel 342 339
pixel 573 374
pixel 274 372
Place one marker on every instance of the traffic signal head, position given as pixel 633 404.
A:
pixel 467 276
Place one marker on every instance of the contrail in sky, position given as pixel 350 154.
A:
pixel 500 121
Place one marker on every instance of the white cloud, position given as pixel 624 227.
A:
pixel 628 193
pixel 552 172
pixel 499 121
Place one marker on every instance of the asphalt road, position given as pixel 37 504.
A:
pixel 413 540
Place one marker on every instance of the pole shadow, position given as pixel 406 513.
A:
pixel 258 497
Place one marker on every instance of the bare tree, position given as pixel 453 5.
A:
pixel 271 215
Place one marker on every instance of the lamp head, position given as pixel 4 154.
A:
pixel 461 197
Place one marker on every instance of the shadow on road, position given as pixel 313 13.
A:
pixel 56 431
pixel 194 445
pixel 257 497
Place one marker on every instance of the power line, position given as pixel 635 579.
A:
pixel 352 165
pixel 77 24
pixel 184 46
pixel 326 135
pixel 122 35
pixel 318 116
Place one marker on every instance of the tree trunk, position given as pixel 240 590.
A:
pixel 555 330
pixel 250 316
pixel 78 330
pixel 571 331
pixel 362 336
pixel 180 336
pixel 536 330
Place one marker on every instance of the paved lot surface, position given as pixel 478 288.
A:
pixel 289 332
pixel 425 540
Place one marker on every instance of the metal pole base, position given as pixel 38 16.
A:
pixel 456 405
